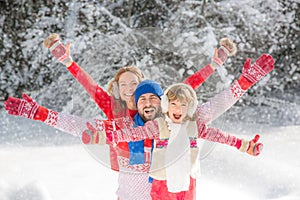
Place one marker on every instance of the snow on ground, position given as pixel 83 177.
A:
pixel 47 171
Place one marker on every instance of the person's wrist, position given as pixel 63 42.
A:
pixel 68 62
pixel 214 65
pixel 244 146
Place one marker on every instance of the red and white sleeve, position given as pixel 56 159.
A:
pixel 216 135
pixel 67 123
pixel 217 105
pixel 98 94
pixel 130 134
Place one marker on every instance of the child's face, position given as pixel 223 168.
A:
pixel 177 110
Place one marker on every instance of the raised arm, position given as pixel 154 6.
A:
pixel 252 147
pixel 251 74
pixel 98 94
pixel 227 48
pixel 62 54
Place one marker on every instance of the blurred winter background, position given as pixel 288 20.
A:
pixel 168 40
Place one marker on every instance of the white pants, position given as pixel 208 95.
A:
pixel 134 186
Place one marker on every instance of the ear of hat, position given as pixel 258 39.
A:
pixel 165 100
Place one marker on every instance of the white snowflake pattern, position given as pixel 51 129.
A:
pixel 52 118
pixel 237 90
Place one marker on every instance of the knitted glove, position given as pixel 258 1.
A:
pixel 252 147
pixel 88 136
pixel 58 50
pixel 26 107
pixel 100 134
pixel 251 74
pixel 227 48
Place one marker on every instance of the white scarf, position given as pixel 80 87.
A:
pixel 178 158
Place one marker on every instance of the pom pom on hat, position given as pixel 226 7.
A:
pixel 147 86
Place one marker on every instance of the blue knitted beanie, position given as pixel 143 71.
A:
pixel 147 86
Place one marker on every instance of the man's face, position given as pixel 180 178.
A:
pixel 148 106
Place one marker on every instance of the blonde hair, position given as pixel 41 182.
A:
pixel 182 93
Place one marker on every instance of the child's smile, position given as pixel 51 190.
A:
pixel 177 116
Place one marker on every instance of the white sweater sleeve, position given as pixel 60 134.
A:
pixel 71 124
pixel 217 105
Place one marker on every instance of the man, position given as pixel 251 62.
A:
pixel 133 177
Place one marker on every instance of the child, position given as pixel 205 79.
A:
pixel 175 157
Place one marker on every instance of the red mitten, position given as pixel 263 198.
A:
pixel 255 148
pixel 58 50
pixel 251 147
pixel 87 136
pixel 26 107
pixel 251 74
pixel 98 134
pixel 91 134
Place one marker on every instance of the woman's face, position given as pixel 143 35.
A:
pixel 177 110
pixel 128 82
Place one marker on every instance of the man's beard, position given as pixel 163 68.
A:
pixel 156 110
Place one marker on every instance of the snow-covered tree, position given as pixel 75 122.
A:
pixel 169 39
